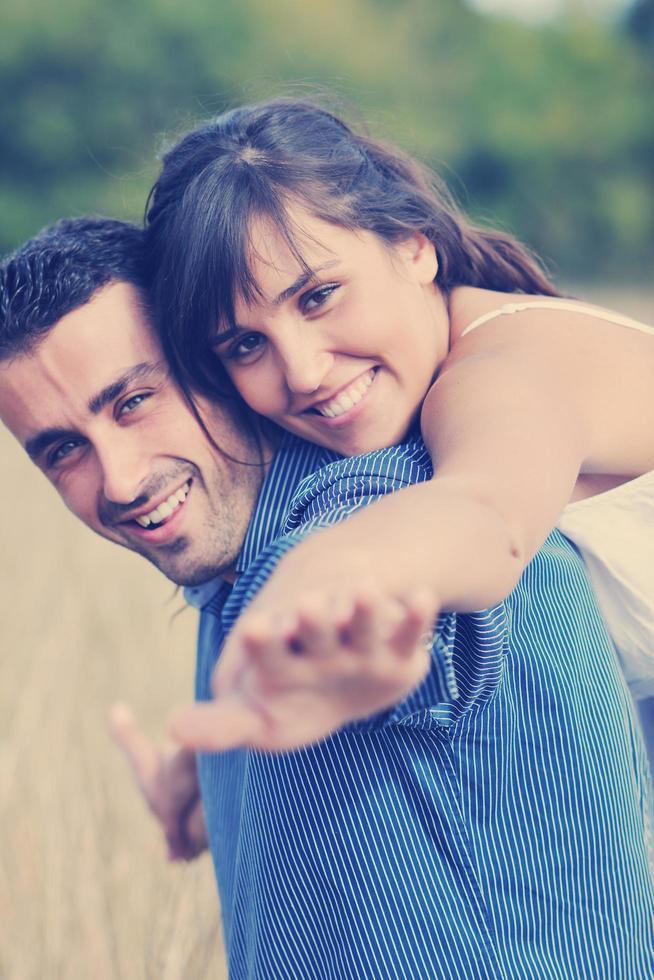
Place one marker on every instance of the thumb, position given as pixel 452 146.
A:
pixel 216 726
pixel 140 752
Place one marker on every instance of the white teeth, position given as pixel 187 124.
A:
pixel 346 399
pixel 164 509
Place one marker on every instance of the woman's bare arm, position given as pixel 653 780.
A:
pixel 521 407
pixel 510 425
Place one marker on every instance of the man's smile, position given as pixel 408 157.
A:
pixel 159 524
pixel 165 509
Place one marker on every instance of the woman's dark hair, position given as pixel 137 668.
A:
pixel 255 161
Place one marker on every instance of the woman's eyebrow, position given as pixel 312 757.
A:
pixel 306 277
pixel 309 275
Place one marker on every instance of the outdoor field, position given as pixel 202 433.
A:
pixel 85 890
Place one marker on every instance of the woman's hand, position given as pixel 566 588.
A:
pixel 169 784
pixel 283 683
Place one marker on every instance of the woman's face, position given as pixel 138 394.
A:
pixel 342 356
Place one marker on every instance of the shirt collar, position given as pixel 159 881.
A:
pixel 200 596
pixel 293 461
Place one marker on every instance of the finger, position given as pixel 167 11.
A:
pixel 140 752
pixel 192 838
pixel 188 837
pixel 414 629
pixel 269 663
pixel 314 633
pixel 216 726
pixel 360 629
pixel 196 829
pixel 180 822
pixel 253 637
pixel 370 621
pixel 412 633
pixel 295 660
pixel 408 637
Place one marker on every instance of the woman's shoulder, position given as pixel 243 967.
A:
pixel 547 352
pixel 468 304
pixel 471 308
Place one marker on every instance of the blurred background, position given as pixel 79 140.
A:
pixel 538 113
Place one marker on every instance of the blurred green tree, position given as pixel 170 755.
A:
pixel 547 131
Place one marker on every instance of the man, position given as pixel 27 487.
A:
pixel 490 823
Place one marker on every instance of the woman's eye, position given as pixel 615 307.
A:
pixel 245 346
pixel 317 297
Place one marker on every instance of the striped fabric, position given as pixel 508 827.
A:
pixel 493 825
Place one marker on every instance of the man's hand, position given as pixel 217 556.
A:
pixel 168 782
pixel 283 685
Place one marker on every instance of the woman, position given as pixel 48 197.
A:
pixel 332 282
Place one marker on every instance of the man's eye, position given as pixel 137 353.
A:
pixel 131 403
pixel 245 347
pixel 316 298
pixel 60 452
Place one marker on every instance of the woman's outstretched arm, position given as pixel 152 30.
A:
pixel 508 428
pixel 510 425
pixel 518 412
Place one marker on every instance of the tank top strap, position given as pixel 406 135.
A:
pixel 571 306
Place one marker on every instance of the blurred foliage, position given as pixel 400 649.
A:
pixel 548 132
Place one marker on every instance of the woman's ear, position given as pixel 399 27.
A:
pixel 419 256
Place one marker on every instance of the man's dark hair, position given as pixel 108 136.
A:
pixel 59 270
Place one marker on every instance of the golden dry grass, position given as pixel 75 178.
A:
pixel 85 890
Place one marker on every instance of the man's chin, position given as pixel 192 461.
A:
pixel 192 576
pixel 177 563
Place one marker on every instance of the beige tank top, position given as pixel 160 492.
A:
pixel 614 532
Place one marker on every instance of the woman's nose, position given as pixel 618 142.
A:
pixel 305 367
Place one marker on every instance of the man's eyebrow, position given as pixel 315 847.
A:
pixel 36 445
pixel 39 443
pixel 114 390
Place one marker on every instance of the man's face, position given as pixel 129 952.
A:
pixel 95 408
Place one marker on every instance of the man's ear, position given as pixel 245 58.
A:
pixel 419 256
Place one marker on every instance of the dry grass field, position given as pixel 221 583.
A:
pixel 85 890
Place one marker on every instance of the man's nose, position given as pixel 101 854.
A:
pixel 124 471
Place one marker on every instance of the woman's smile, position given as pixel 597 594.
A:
pixel 346 358
pixel 340 405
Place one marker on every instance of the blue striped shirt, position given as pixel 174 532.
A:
pixel 495 824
